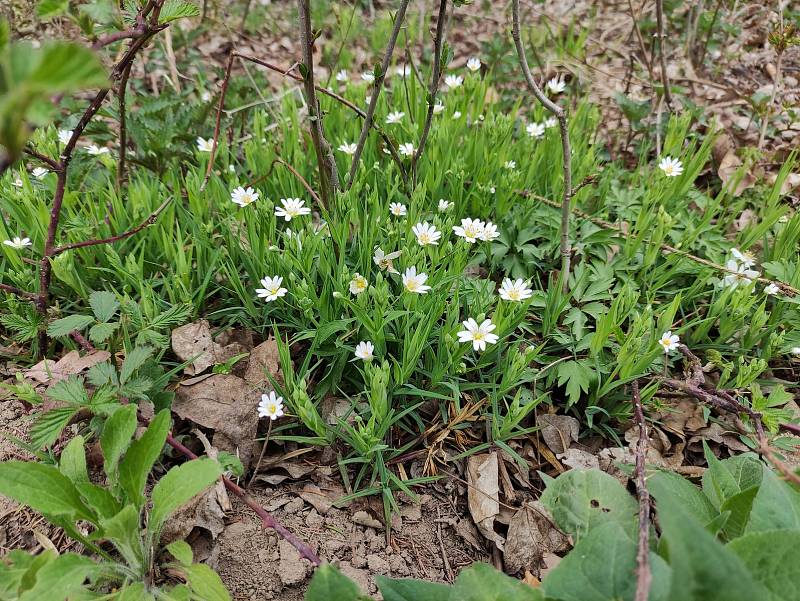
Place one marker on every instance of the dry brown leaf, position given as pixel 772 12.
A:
pixel 729 172
pixel 531 533
pixel 264 361
pixel 48 371
pixel 558 431
pixel 193 342
pixel 483 494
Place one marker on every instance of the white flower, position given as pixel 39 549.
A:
pixel 365 350
pixel 556 85
pixel 474 64
pixel 415 282
pixel 396 117
pixel 368 99
pixel 18 243
pixel 17 183
pixel 453 81
pixel 745 258
pixel 444 205
pixel 272 289
pixel 470 229
pixel 426 234
pixel 358 284
pixel 796 350
pixel 491 190
pixel 64 136
pixel 244 197
pixel 368 76
pixel 772 290
pixel 478 335
pixel 39 172
pixel 205 96
pixel 231 168
pixel 271 406
pixel 456 115
pixel 403 70
pixel 398 209
pixel 384 261
pixel 348 148
pixel 671 167
pixel 535 130
pixel 406 150
pixel 292 207
pixel 341 76
pixel 489 232
pixel 205 145
pixel 515 291
pixel 669 341
pixel 510 165
pixel 95 150
pixel 550 122
pixel 740 275
pixel 438 108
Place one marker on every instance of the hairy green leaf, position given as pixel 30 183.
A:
pixel 141 456
pixel 178 486
pixel 43 488
pixel 116 437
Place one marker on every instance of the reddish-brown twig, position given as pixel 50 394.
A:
pixel 303 181
pixel 643 574
pixel 220 106
pixel 18 291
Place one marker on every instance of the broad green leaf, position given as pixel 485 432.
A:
pixel 65 67
pixel 43 488
pixel 411 590
pixel 481 582
pixel 578 376
pixel 72 462
pixel 65 574
pixel 116 437
pixel 329 584
pixel 182 551
pixel 133 361
pixel 125 533
pixel 776 506
pixel 99 499
pixel 579 500
pixel 205 583
pixel 723 479
pixel 100 332
pixel 48 425
pixel 104 305
pixel 136 592
pixel 602 566
pixel 672 487
pixel 141 456
pixel 773 558
pixel 738 506
pixel 70 391
pixel 64 326
pixel 177 9
pixel 178 486
pixel 49 9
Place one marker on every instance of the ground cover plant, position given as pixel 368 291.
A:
pixel 410 270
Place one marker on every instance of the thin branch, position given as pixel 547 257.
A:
pixel 376 92
pixel 561 115
pixel 662 53
pixel 52 163
pixel 220 106
pixel 643 574
pixel 303 181
pixel 18 291
pixel 642 47
pixel 116 37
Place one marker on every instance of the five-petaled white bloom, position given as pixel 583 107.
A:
pixel 474 64
pixel 415 282
pixel 244 197
pixel 95 150
pixel 550 122
pixel 272 289
pixel 205 145
pixel 456 115
pixel 515 290
pixel 358 284
pixel 365 350
pixel 796 350
pixel 535 130
pixel 771 290
pixel 341 76
pixel 394 117
pixel 271 406
pixel 478 335
pixel 438 108
pixel 348 148
pixel 671 167
pixel 489 232
pixel 426 234
pixel 406 149
pixel 510 165
pixel 747 259
pixel 453 81
pixel 384 261
pixel 556 85
pixel 17 242
pixel 444 205
pixel 740 274
pixel 368 76
pixel 292 207
pixel 398 209
pixel 669 341
pixel 470 229
pixel 17 183
pixel 39 172
pixel 64 136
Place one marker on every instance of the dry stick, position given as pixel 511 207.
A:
pixel 53 164
pixel 642 47
pixel 433 90
pixel 303 181
pixel 376 92
pixel 662 54
pixel 776 82
pixel 261 455
pixel 561 115
pixel 18 291
pixel 220 106
pixel 328 174
pixel 643 573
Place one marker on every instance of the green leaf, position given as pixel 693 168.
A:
pixel 672 487
pixel 773 558
pixel 205 583
pixel 776 506
pixel 116 437
pixel 43 488
pixel 723 479
pixel 62 327
pixel 65 574
pixel 100 332
pixel 177 9
pixel 66 67
pixel 48 425
pixel 104 305
pixel 601 567
pixel 178 486
pixel 182 551
pixel 70 391
pixel 329 584
pixel 578 376
pixel 137 592
pixel 481 582
pixel 99 499
pixel 133 361
pixel 141 456
pixel 124 532
pixel 411 590
pixel 738 506
pixel 49 9
pixel 72 462
pixel 579 500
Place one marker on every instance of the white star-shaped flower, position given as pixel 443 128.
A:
pixel 510 165
pixel 453 81
pixel 535 130
pixel 669 341
pixel 771 290
pixel 394 117
pixel 556 85
pixel 444 205
pixel 271 406
pixel 384 261
pixel 406 150
pixel 747 259
pixel 671 167
pixel 415 282
pixel 438 108
pixel 95 150
pixel 272 289
pixel 398 209
pixel 478 335
pixel 39 172
pixel 368 76
pixel 244 196
pixel 64 136
pixel 426 234
pixel 474 64
pixel 470 229
pixel 18 243
pixel 489 232
pixel 515 290
pixel 341 76
pixel 358 284
pixel 348 148
pixel 205 145
pixel 292 207
pixel 550 122
pixel 365 350
pixel 741 275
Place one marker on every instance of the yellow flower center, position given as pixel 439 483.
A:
pixel 478 335
pixel 412 285
pixel 273 408
pixel 514 294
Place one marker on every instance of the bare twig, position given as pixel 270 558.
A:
pixel 261 455
pixel 303 181
pixel 53 164
pixel 643 574
pixel 561 115
pixel 776 83
pixel 662 52
pixel 220 106
pixel 642 47
pixel 399 18
pixel 18 291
